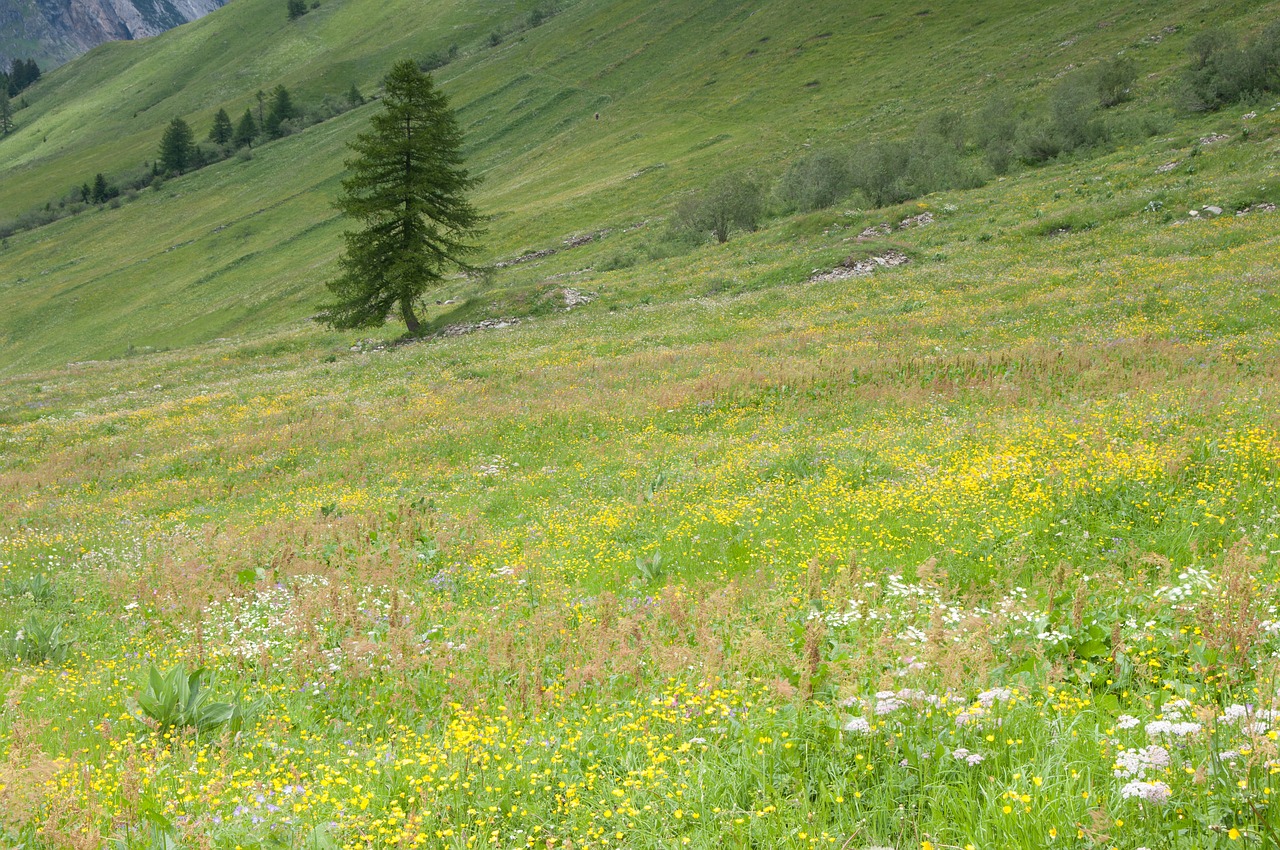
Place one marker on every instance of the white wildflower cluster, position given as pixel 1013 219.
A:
pixel 263 622
pixel 857 725
pixel 1127 721
pixel 887 702
pixel 1150 792
pixel 1192 582
pixel 967 756
pixel 1171 728
pixel 1136 763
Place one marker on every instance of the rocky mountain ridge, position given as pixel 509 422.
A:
pixel 54 31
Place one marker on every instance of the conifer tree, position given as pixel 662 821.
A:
pixel 282 110
pixel 296 9
pixel 100 192
pixel 177 147
pixel 246 130
pixel 221 132
pixel 6 113
pixel 406 188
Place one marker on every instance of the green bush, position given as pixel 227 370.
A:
pixel 879 171
pixel 814 181
pixel 1223 73
pixel 995 129
pixel 1115 81
pixel 731 201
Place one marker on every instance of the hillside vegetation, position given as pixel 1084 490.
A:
pixel 682 92
pixel 947 524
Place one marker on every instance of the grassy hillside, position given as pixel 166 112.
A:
pixel 724 558
pixel 682 93
pixel 980 550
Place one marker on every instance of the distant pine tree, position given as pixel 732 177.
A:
pixel 221 132
pixel 22 73
pixel 85 193
pixel 6 113
pixel 177 147
pixel 101 192
pixel 296 9
pixel 246 131
pixel 282 109
pixel 354 97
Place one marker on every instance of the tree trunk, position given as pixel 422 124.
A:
pixel 410 318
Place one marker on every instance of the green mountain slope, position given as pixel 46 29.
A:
pixel 682 91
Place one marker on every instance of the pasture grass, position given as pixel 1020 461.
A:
pixel 976 551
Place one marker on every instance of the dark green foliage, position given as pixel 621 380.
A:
pixel 439 59
pixel 539 15
pixel 880 171
pixel 6 113
pixel 282 109
pixel 22 73
pixel 733 200
pixel 85 193
pixel 221 132
pixel 246 130
pixel 495 38
pixel 1223 73
pixel 407 189
pixel 177 147
pixel 946 125
pixel 1115 81
pixel 354 97
pixel 995 130
pixel 101 192
pixel 815 181
pixel 1069 123
pixel 1073 107
pixel 296 9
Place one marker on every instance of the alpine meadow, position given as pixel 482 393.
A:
pixel 603 424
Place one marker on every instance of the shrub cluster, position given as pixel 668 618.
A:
pixel 1224 72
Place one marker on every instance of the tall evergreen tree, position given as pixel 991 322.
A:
pixel 6 113
pixel 177 147
pixel 221 132
pixel 282 109
pixel 406 188
pixel 101 192
pixel 246 130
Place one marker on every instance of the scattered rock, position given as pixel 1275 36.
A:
pixel 472 327
pixel 875 230
pixel 524 258
pixel 1249 115
pixel 1213 139
pixel 1167 167
pixel 576 298
pixel 1265 206
pixel 916 221
pixel 1212 210
pixel 851 267
pixel 578 240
